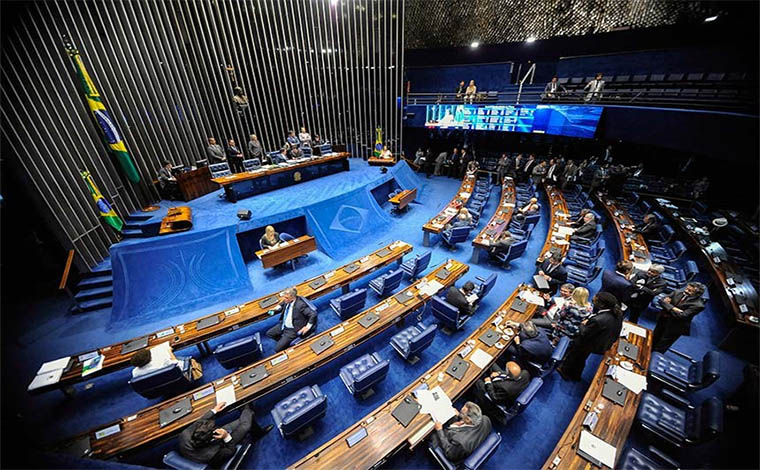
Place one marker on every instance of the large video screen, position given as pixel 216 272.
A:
pixel 557 119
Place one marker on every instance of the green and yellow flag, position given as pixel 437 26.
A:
pixel 99 112
pixel 106 211
pixel 378 142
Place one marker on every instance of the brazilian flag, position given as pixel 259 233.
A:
pixel 106 211
pixel 378 142
pixel 99 112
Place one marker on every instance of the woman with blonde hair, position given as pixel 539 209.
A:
pixel 270 238
pixel 575 310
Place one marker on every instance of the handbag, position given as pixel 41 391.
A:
pixel 196 369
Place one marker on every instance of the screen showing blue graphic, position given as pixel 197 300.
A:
pixel 568 120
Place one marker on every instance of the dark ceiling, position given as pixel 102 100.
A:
pixel 451 23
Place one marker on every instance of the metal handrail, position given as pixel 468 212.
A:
pixel 531 72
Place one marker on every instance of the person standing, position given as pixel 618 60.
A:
pixel 674 320
pixel 594 89
pixel 234 156
pixel 618 282
pixel 646 286
pixel 460 90
pixel 254 147
pixel 166 181
pixel 292 140
pixel 527 169
pixel 215 152
pixel 439 161
pixel 553 272
pixel 538 173
pixel 304 137
pixel 501 168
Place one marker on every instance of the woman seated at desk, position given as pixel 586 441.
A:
pixel 270 239
pixel 386 154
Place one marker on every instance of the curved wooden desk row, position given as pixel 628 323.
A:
pixel 499 221
pixel 273 372
pixel 738 294
pixel 556 242
pixel 437 223
pixel 186 334
pixel 633 247
pixel 385 435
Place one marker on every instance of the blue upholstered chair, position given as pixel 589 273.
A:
pixel 479 456
pixel 251 164
pixel 415 266
pixel 164 381
pixel 360 375
pixel 586 259
pixel 299 410
pixel 514 251
pixel 455 235
pixel 274 156
pixel 680 372
pixel 387 283
pixel 447 315
pixel 676 276
pixel 581 243
pixel 558 354
pixel 412 340
pixel 633 459
pixel 239 352
pixel 582 278
pixel 175 460
pixel 306 149
pixel 667 253
pixel 505 414
pixel 484 286
pixel 348 305
pixel 678 421
pixel 286 237
pixel 219 169
pixel 664 237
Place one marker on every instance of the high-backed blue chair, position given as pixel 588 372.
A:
pixel 586 259
pixel 286 237
pixel 387 283
pixel 251 164
pixel 558 354
pixel 175 460
pixel 474 461
pixel 219 169
pixel 239 352
pixel 447 315
pixel 680 372
pixel 664 237
pixel 455 235
pixel 415 266
pixel 633 459
pixel 679 422
pixel 299 410
pixel 164 381
pixel 667 253
pixel 522 234
pixel 360 375
pixel 582 278
pixel 677 276
pixel 412 340
pixel 514 251
pixel 505 414
pixel 580 243
pixel 306 149
pixel 348 305
pixel 484 286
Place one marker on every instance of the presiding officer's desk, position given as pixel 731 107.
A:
pixel 560 217
pixel 614 420
pixel 286 251
pixel 498 223
pixel 186 334
pixel 143 429
pixel 633 247
pixel 195 183
pixel 242 185
pixel 403 199
pixel 385 435
pixel 437 223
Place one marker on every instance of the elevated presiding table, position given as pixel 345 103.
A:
pixel 437 223
pixel 377 161
pixel 195 183
pixel 286 251
pixel 498 223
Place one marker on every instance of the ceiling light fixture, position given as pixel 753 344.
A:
pixel 711 18
pixel 474 44
pixel 530 39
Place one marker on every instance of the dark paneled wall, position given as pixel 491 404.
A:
pixel 166 72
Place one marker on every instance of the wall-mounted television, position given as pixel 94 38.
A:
pixel 556 119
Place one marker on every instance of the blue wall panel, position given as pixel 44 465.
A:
pixel 488 77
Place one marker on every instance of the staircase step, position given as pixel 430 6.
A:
pixel 97 273
pixel 95 304
pixel 93 293
pixel 132 233
pixel 95 281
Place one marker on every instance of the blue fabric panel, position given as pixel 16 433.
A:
pixel 488 77
pixel 249 240
pixel 380 193
pixel 171 275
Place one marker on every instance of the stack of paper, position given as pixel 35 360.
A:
pixel 631 380
pixel 532 298
pixel 49 373
pixel 631 328
pixel 564 231
pixel 431 288
pixel 464 195
pixel 226 395
pixel 436 403
pixel 597 449
pixel 481 358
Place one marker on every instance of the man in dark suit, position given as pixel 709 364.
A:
pixel 234 156
pixel 646 285
pixel 596 335
pixel 618 282
pixel 458 298
pixel 587 230
pixel 648 228
pixel 552 270
pixel 167 182
pixel 203 442
pixel 527 168
pixel 297 319
pixel 531 345
pixel 460 438
pixel 675 317
pixel 503 387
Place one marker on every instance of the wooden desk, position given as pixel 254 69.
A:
pixel 377 161
pixel 242 185
pixel 437 223
pixel 628 239
pixel 142 428
pixel 286 251
pixel 385 435
pixel 498 223
pixel 403 199
pixel 237 316
pixel 178 219
pixel 195 183
pixel 560 217
pixel 614 420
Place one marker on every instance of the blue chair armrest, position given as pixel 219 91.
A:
pixel 663 457
pixel 676 399
pixel 685 356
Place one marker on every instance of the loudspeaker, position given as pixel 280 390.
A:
pixel 244 214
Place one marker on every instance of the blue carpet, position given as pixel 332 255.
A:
pixel 47 331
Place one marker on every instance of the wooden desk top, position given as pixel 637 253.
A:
pixel 178 219
pixel 382 161
pixel 271 170
pixel 614 420
pixel 557 207
pixel 500 219
pixel 722 270
pixel 437 223
pixel 143 428
pixel 285 251
pixel 403 195
pixel 629 241
pixel 185 334
pixel 385 435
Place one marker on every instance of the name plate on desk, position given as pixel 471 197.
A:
pixel 442 274
pixel 253 376
pixel 269 301
pixel 207 322
pixel 403 297
pixel 174 412
pixel 406 411
pixel 322 344
pixel 317 283
pixel 628 350
pixel 351 268
pixel 490 337
pixel 383 253
pixel 457 368
pixel 135 345
pixel 519 305
pixel 614 391
pixel 369 319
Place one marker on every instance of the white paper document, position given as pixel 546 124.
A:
pixel 464 195
pixel 597 449
pixel 481 358
pixel 564 231
pixel 559 302
pixel 631 380
pixel 46 378
pixel 431 288
pixel 226 395
pixel 436 403
pixel 631 328
pixel 532 298
pixel 54 365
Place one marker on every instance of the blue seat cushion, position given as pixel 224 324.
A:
pixel 664 417
pixel 402 338
pixel 299 409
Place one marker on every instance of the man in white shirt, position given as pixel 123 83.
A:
pixel 297 319
pixel 146 361
pixel 594 88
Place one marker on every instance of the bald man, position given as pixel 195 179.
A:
pixel 503 387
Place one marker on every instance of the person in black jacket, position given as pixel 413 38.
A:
pixel 460 438
pixel 649 228
pixel 531 345
pixel 203 442
pixel 618 282
pixel 586 230
pixel 503 387
pixel 597 334
pixel 296 319
pixel 646 285
pixel 552 270
pixel 458 298
pixel 675 318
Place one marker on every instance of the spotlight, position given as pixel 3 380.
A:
pixel 711 18
pixel 530 39
pixel 474 44
pixel 333 2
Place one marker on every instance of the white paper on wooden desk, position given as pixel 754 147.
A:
pixel 436 403
pixel 532 298
pixel 480 358
pixel 226 395
pixel 631 380
pixel 54 365
pixel 464 195
pixel 431 288
pixel 631 328
pixel 597 448
pixel 564 231
pixel 45 378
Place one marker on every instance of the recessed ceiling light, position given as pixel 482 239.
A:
pixel 474 44
pixel 711 18
pixel 530 39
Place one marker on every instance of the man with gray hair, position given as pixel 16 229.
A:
pixel 297 319
pixel 675 318
pixel 460 438
pixel 646 286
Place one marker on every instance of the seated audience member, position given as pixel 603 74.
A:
pixel 594 88
pixel 531 345
pixel 531 207
pixel 254 147
pixel 292 139
pixel 234 155
pixel 460 438
pixel 203 442
pixel 386 153
pixel 675 317
pixel 463 219
pixel 146 361
pixel 304 137
pixel 648 228
pixel 579 220
pixel 295 152
pixel 586 230
pixel 501 244
pixel 270 238
pixel 282 157
pixel 646 285
pixel 618 282
pixel 214 152
pixel 167 181
pixel 553 89
pixel 470 92
pixel 554 304
pixel 567 321
pixel 538 173
pixel 296 319
pixel 459 298
pixel 596 335
pixel 460 90
pixel 552 270
pixel 503 387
